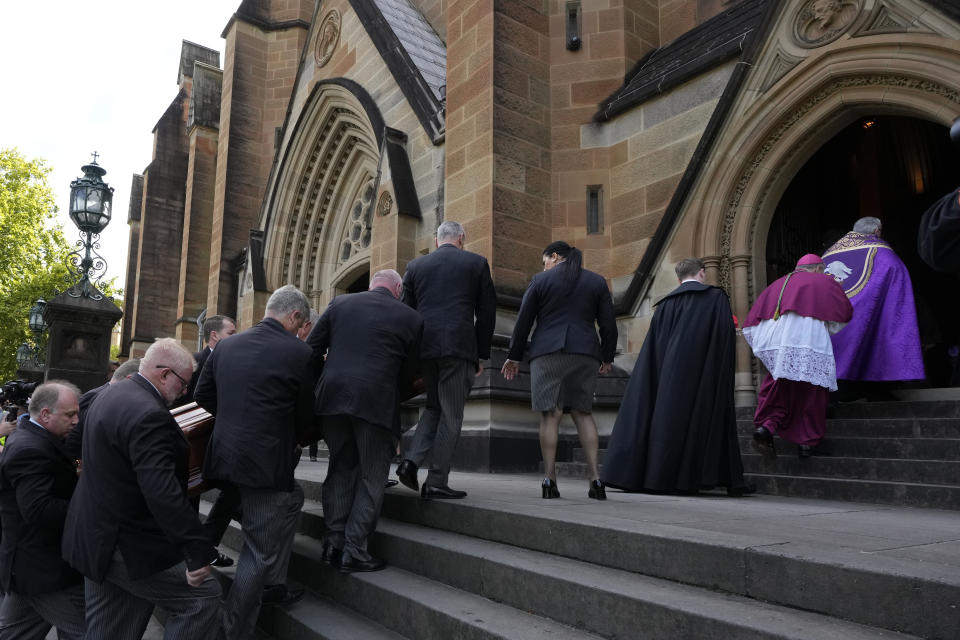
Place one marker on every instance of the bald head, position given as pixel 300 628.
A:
pixel 388 279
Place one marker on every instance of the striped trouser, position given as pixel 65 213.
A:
pixel 269 523
pixel 448 382
pixel 360 456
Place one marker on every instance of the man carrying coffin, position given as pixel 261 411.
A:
pixel 882 342
pixel 789 329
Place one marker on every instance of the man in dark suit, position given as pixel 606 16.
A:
pixel 130 528
pixel 74 439
pixel 215 328
pixel 37 479
pixel 372 343
pixel 453 291
pixel 259 385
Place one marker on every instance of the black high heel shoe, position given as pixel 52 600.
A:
pixel 598 490
pixel 550 489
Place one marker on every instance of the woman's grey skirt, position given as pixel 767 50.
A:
pixel 564 381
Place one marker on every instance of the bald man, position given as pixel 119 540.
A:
pixel 372 342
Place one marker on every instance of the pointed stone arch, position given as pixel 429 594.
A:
pixel 771 136
pixel 331 163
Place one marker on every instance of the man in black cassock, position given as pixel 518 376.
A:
pixel 676 429
pixel 938 241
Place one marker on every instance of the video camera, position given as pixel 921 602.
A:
pixel 16 393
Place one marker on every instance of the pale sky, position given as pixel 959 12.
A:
pixel 84 77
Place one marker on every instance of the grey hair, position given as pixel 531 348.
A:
pixel 287 299
pixel 126 370
pixel 314 316
pixel 47 396
pixel 386 275
pixel 868 225
pixel 449 230
pixel 167 352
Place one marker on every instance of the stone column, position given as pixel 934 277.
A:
pixel 79 340
pixel 744 391
pixel 712 266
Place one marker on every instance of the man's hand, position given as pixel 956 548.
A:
pixel 605 367
pixel 196 578
pixel 510 369
pixel 479 369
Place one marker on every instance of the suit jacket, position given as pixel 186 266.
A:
pixel 566 320
pixel 74 440
pixel 450 288
pixel 372 341
pixel 200 357
pixel 259 385
pixel 37 479
pixel 132 493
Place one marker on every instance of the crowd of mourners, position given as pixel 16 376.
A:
pixel 97 525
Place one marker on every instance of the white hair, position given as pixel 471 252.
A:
pixel 868 225
pixel 385 276
pixel 167 352
pixel 449 230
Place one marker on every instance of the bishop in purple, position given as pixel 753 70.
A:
pixel 882 342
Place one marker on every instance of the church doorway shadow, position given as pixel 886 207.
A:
pixel 893 168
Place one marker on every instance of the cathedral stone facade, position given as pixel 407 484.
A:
pixel 335 135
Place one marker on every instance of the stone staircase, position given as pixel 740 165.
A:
pixel 902 453
pixel 500 565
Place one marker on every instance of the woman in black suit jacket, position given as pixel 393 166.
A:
pixel 568 303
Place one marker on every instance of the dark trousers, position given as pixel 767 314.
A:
pixel 120 608
pixel 224 509
pixel 448 382
pixel 360 455
pixel 30 617
pixel 269 523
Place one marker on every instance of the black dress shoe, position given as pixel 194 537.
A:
pixel 407 474
pixel 331 555
pixel 763 442
pixel 222 561
pixel 279 595
pixel 350 565
pixel 444 493
pixel 597 490
pixel 739 492
pixel 390 483
pixel 550 489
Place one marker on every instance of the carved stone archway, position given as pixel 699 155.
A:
pixel 771 136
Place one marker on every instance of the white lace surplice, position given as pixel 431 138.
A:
pixel 796 348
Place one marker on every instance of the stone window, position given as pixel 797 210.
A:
pixel 595 208
pixel 358 230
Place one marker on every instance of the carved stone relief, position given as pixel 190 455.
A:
pixel 328 36
pixel 822 21
pixel 385 204
pixel 887 18
pixel 782 63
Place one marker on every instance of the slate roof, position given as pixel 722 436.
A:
pixel 717 40
pixel 413 52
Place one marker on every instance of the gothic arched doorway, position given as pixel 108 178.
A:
pixel 891 167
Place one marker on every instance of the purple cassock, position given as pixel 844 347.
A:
pixel 882 342
pixel 788 329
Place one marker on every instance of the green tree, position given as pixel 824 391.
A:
pixel 33 251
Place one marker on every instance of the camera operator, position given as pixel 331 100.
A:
pixel 14 397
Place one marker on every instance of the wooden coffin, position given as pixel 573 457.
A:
pixel 197 425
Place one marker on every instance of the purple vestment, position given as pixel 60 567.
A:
pixel 882 342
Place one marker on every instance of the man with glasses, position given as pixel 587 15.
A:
pixel 131 531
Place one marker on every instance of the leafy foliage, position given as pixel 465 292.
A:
pixel 33 251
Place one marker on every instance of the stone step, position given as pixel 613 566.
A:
pixel 313 618
pixel 412 605
pixel 878 447
pixel 944 472
pixel 931 496
pixel 881 427
pixel 574 592
pixel 888 409
pixel 843 583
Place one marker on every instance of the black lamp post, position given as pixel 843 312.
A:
pixel 91 204
pixel 24 354
pixel 37 323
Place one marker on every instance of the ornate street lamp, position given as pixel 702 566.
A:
pixel 37 324
pixel 24 354
pixel 91 203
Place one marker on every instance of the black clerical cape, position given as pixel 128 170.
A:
pixel 676 429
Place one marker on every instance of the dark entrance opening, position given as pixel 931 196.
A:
pixel 362 283
pixel 891 167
